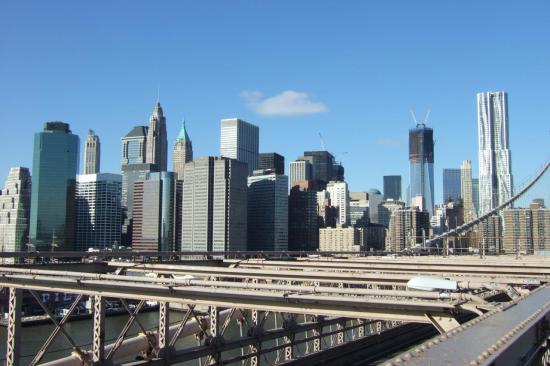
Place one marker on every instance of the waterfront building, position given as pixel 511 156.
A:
pixel 272 161
pixel 303 222
pixel 527 230
pixel 342 239
pixel 98 211
pixel 300 170
pixel 92 153
pixel 392 187
pixel 182 152
pixel 15 204
pixel 240 140
pixel 267 211
pixel 467 192
pixel 408 228
pixel 339 197
pixel 421 158
pixel 490 232
pixel 157 142
pixel 153 212
pixel 495 169
pixel 451 185
pixel 55 165
pixel 214 205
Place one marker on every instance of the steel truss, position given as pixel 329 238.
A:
pixel 314 308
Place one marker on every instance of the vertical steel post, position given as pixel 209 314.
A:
pixel 14 326
pixel 164 329
pixel 317 333
pixel 340 336
pixel 255 360
pixel 98 345
pixel 214 333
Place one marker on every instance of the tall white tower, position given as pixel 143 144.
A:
pixel 240 141
pixel 495 169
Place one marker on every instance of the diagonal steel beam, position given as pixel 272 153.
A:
pixel 126 328
pixel 55 322
pixel 38 357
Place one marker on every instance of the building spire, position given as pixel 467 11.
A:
pixel 183 133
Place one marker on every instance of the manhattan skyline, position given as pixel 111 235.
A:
pixel 350 74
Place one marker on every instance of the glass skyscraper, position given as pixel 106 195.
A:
pixel 267 211
pixel 421 158
pixel 392 187
pixel 451 185
pixel 55 165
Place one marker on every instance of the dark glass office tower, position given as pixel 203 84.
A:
pixel 392 187
pixel 421 158
pixel 272 161
pixel 55 165
pixel 451 185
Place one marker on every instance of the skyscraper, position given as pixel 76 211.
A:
pixel 153 212
pixel 134 168
pixel 323 168
pixel 300 170
pixel 475 194
pixel 375 200
pixel 527 229
pixel 55 165
pixel 15 205
pixel 267 211
pixel 240 140
pixel 392 187
pixel 339 196
pixel 303 223
pixel 421 158
pixel 92 153
pixel 408 227
pixel 182 153
pixel 495 165
pixel 157 142
pixel 214 205
pixel 272 161
pixel 451 185
pixel 467 192
pixel 98 211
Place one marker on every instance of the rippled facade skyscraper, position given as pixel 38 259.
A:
pixel 495 164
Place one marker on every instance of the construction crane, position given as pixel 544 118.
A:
pixel 322 142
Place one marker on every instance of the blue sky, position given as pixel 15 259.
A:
pixel 348 70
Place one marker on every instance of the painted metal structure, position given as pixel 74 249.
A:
pixel 317 303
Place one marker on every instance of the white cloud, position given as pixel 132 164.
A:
pixel 286 103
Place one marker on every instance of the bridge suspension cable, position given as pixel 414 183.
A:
pixel 480 219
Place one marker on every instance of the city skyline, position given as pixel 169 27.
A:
pixel 357 102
